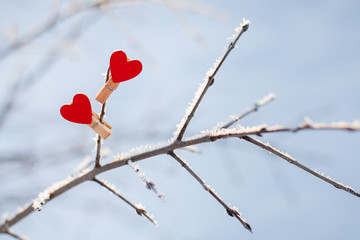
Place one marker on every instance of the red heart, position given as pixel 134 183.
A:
pixel 123 69
pixel 79 110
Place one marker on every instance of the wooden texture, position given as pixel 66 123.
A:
pixel 102 129
pixel 106 91
pixel 104 122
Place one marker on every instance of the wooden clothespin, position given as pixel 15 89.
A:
pixel 79 111
pixel 106 90
pixel 103 129
pixel 122 69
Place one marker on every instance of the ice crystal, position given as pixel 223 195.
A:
pixel 141 149
pixel 44 196
pixel 266 99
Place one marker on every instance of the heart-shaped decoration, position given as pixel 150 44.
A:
pixel 78 111
pixel 123 69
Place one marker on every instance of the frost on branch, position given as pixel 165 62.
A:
pixel 266 99
pixel 207 82
pixel 222 132
pixel 148 183
pixel 245 24
pixel 4 217
pixel 44 196
pixel 191 106
pixel 355 125
pixel 141 149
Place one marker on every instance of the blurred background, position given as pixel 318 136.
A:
pixel 307 53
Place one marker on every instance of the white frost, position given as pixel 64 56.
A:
pixel 140 150
pixel 191 106
pixel 266 99
pixel 203 85
pixel 44 196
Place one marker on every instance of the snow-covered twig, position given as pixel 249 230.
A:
pixel 231 211
pixel 268 98
pixel 138 208
pixel 293 161
pixel 14 235
pixel 241 131
pixel 287 157
pixel 208 81
pixel 148 183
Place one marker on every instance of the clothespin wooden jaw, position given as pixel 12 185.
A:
pixel 103 129
pixel 106 91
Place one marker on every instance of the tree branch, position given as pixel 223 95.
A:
pixel 288 158
pixel 209 80
pixel 139 210
pixel 71 182
pixel 148 183
pixel 266 99
pixel 293 161
pixel 15 235
pixel 231 211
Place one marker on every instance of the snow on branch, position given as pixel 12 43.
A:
pixel 14 235
pixel 241 131
pixel 233 119
pixel 291 160
pixel 233 212
pixel 44 196
pixel 207 82
pixel 148 183
pixel 88 174
pixel 138 208
pixel 221 131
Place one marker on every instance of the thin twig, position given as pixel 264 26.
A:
pixel 266 99
pixel 290 159
pixel 148 183
pixel 231 211
pixel 209 81
pixel 139 210
pixel 15 235
pixel 293 161
pixel 261 129
pixel 98 142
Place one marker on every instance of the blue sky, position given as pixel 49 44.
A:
pixel 306 52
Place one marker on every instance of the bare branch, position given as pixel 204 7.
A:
pixel 231 211
pixel 98 142
pixel 291 160
pixel 287 157
pixel 70 183
pixel 241 131
pixel 268 98
pixel 209 80
pixel 148 183
pixel 15 235
pixel 139 210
